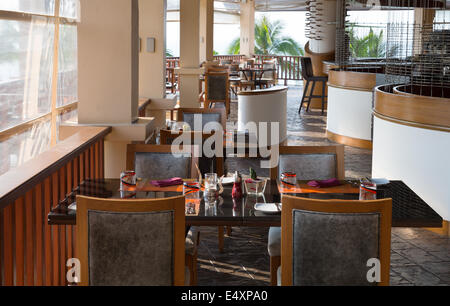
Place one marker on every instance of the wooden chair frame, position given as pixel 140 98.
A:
pixel 221 111
pixel 338 150
pixel 383 207
pixel 166 135
pixel 132 149
pixel 208 102
pixel 175 204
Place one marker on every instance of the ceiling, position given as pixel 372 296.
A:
pixel 233 6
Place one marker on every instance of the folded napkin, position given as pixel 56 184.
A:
pixel 325 183
pixel 169 182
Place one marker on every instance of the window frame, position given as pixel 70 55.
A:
pixel 55 111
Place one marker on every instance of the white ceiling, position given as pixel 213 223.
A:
pixel 233 6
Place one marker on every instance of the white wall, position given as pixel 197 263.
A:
pixel 350 112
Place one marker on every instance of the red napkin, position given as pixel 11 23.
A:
pixel 169 182
pixel 325 183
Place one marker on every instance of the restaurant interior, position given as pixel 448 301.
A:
pixel 124 166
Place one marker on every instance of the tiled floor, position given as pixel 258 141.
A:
pixel 419 257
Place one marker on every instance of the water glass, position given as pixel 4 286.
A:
pixel 191 190
pixel 367 191
pixel 288 179
pixel 128 181
pixel 210 182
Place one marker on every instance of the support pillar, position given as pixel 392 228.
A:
pixel 152 60
pixel 189 70
pixel 108 76
pixel 206 30
pixel 321 45
pixel 423 25
pixel 247 44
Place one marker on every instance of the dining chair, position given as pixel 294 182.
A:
pixel 335 243
pixel 207 115
pixel 205 164
pixel 246 80
pixel 131 242
pixel 217 89
pixel 225 62
pixel 308 163
pixel 309 77
pixel 158 162
pixel 269 78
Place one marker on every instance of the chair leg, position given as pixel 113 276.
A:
pixel 311 94
pixel 323 97
pixel 220 236
pixel 304 95
pixel 229 231
pixel 275 262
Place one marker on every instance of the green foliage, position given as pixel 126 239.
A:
pixel 253 175
pixel 269 40
pixel 370 45
pixel 169 53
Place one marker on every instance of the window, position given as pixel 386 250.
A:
pixel 35 94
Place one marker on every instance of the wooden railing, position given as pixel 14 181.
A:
pixel 288 68
pixel 31 251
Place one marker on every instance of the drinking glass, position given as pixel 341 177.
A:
pixel 128 181
pixel 191 190
pixel 288 179
pixel 210 182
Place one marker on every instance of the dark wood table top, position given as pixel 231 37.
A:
pixel 408 209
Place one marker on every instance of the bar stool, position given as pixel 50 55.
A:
pixel 308 75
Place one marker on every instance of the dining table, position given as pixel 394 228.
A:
pixel 408 209
pixel 255 74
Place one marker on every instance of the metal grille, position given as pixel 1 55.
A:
pixel 415 52
pixel 420 54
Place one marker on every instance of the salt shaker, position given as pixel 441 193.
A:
pixel 237 186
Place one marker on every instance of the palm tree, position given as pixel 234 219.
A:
pixel 269 40
pixel 169 53
pixel 370 45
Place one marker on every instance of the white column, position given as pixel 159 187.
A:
pixel 108 61
pixel 327 41
pixel 206 30
pixel 189 70
pixel 108 76
pixel 152 62
pixel 248 28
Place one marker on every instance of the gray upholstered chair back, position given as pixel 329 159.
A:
pixel 133 249
pixel 217 87
pixel 154 165
pixel 269 74
pixel 333 248
pixel 206 118
pixel 243 165
pixel 309 166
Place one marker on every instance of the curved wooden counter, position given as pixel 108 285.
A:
pixel 411 109
pixel 411 142
pixel 355 78
pixel 317 60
